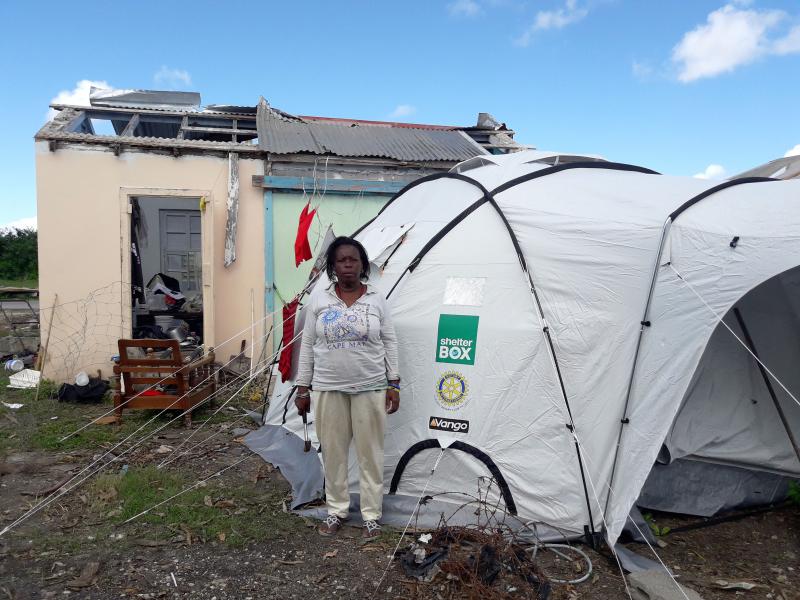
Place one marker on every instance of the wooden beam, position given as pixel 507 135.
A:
pixel 162 113
pixel 76 123
pixel 333 186
pixel 131 126
pixel 220 130
pixel 184 124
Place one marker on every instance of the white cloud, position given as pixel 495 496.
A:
pixel 77 96
pixel 464 8
pixel 793 151
pixel 403 110
pixel 732 36
pixel 26 223
pixel 641 70
pixel 172 78
pixel 553 19
pixel 789 44
pixel 712 172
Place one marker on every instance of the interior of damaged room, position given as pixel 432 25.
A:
pixel 270 330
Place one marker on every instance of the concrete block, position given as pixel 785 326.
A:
pixel 11 344
pixel 658 585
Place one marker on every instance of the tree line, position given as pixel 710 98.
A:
pixel 18 254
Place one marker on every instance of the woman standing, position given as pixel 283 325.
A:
pixel 348 354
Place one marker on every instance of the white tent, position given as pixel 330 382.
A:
pixel 560 323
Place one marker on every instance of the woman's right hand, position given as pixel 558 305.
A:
pixel 302 400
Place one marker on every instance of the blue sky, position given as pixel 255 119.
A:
pixel 684 87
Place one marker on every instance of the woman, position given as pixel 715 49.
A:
pixel 348 354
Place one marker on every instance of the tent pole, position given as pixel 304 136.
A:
pixel 767 382
pixel 645 321
pixel 642 326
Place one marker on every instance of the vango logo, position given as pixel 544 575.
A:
pixel 452 425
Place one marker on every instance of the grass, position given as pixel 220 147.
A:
pixel 27 283
pixel 232 514
pixel 41 424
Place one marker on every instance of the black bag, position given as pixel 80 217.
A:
pixel 92 392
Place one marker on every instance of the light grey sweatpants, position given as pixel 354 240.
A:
pixel 340 418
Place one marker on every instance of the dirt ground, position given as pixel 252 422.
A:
pixel 231 537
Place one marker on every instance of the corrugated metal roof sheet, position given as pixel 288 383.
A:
pixel 787 167
pixel 282 134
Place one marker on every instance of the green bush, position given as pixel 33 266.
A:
pixel 18 254
pixel 794 492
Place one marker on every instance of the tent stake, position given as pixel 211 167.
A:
pixel 768 383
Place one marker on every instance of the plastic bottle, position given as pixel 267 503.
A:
pixel 14 365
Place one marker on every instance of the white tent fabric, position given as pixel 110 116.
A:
pixel 518 298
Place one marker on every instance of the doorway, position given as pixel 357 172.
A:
pixel 167 269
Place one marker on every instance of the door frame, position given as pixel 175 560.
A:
pixel 207 249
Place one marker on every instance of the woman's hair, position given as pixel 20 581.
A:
pixel 330 256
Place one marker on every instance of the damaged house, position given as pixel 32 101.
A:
pixel 151 206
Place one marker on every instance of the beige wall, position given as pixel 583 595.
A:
pixel 84 237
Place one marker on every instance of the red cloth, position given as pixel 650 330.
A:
pixel 285 361
pixel 302 250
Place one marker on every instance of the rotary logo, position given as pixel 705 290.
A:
pixel 452 390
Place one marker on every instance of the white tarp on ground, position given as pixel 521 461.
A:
pixel 475 353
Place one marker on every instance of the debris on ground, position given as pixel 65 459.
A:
pixel 87 576
pixel 476 562
pixel 657 584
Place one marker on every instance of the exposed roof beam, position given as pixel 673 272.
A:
pixel 131 126
pixel 251 132
pixel 166 113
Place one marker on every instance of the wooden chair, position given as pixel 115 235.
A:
pixel 186 385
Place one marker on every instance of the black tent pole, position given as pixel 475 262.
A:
pixel 768 383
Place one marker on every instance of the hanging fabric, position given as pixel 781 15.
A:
pixel 138 228
pixel 285 362
pixel 302 249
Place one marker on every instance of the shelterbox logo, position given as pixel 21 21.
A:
pixel 456 339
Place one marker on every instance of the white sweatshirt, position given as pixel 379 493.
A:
pixel 347 349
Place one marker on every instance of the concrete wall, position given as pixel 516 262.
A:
pixel 84 236
pixel 346 212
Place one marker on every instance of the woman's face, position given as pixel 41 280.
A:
pixel 347 265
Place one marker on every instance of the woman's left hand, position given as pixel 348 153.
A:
pixel 392 400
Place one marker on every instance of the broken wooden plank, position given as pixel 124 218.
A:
pixel 233 209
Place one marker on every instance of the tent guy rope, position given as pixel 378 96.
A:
pixel 721 319
pixel 605 524
pixel 153 385
pixel 408 524
pixel 65 489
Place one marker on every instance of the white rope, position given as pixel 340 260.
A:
pixel 190 488
pixel 605 524
pixel 644 537
pixel 410 518
pixel 600 512
pixel 222 406
pixel 150 387
pixel 64 489
pixel 733 333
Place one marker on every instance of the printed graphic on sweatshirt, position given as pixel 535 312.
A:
pixel 456 339
pixel 345 328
